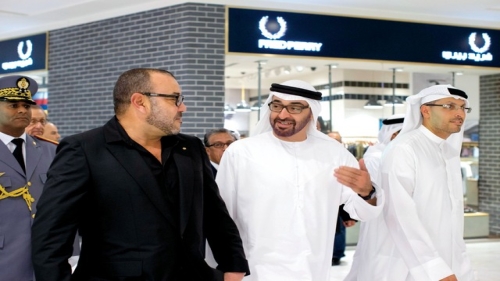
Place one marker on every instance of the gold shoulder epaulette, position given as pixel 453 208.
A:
pixel 45 139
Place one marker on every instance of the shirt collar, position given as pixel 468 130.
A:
pixel 8 138
pixel 431 135
pixel 121 135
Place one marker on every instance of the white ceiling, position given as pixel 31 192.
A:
pixel 24 17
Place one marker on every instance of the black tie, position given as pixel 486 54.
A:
pixel 18 152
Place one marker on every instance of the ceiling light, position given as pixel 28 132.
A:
pixel 334 65
pixel 228 109
pixel 373 103
pixel 299 68
pixel 256 106
pixel 287 69
pixel 394 101
pixel 243 107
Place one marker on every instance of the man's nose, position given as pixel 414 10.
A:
pixel 284 113
pixel 22 109
pixel 182 107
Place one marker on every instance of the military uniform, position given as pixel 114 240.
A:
pixel 20 188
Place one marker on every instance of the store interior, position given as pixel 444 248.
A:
pixel 355 84
pixel 359 83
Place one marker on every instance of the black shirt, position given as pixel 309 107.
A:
pixel 165 173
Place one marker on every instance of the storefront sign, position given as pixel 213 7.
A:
pixel 273 43
pixel 284 33
pixel 476 53
pixel 23 54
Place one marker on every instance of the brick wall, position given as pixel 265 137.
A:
pixel 86 60
pixel 489 150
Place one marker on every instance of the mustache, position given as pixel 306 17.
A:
pixel 284 120
pixel 458 119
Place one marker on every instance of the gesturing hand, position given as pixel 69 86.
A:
pixel 357 179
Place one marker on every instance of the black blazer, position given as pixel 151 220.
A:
pixel 103 188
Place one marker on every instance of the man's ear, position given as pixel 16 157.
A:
pixel 425 111
pixel 139 102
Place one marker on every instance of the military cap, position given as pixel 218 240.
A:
pixel 17 88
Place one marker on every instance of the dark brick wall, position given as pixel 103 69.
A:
pixel 489 150
pixel 86 60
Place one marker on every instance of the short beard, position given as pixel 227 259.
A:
pixel 297 126
pixel 156 119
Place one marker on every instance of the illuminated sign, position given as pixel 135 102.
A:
pixel 311 35
pixel 23 54
pixel 272 43
pixel 478 54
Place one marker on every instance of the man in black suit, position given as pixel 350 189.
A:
pixel 216 142
pixel 140 194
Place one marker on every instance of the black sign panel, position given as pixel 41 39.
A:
pixel 23 54
pixel 284 33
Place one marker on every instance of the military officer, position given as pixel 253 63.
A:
pixel 24 163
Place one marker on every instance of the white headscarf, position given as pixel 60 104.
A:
pixel 413 117
pixel 386 132
pixel 264 125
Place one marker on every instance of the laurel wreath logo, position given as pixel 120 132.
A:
pixel 266 33
pixel 474 47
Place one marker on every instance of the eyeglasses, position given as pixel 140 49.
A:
pixel 451 107
pixel 291 108
pixel 178 98
pixel 220 144
pixel 33 121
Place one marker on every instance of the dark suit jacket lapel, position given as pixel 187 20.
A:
pixel 184 163
pixel 128 158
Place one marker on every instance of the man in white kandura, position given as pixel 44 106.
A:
pixel 371 158
pixel 283 187
pixel 422 237
pixel 389 131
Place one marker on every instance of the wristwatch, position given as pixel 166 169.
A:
pixel 370 195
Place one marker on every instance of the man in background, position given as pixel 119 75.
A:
pixel 37 122
pixel 336 136
pixel 216 142
pixel 50 132
pixel 372 158
pixel 343 221
pixel 24 163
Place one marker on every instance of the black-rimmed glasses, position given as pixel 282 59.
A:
pixel 220 144
pixel 451 107
pixel 179 99
pixel 291 108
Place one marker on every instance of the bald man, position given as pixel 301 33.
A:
pixel 50 132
